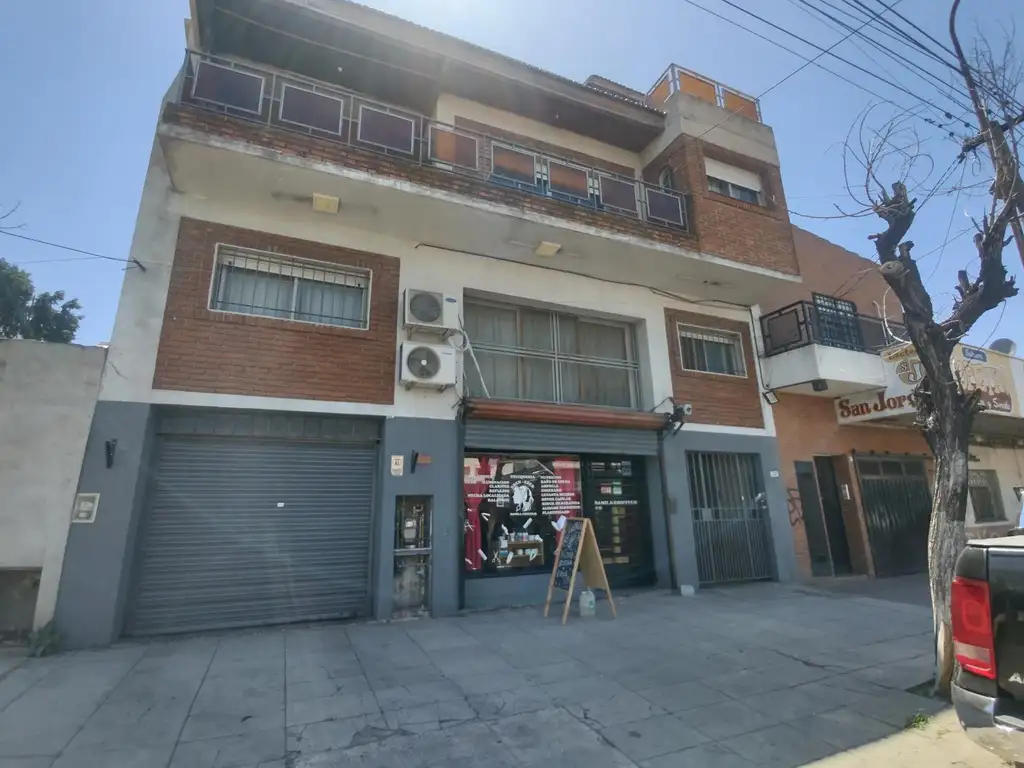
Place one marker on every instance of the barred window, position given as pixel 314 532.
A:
pixel 711 351
pixel 254 282
pixel 984 490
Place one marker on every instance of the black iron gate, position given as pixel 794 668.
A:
pixel 897 507
pixel 730 517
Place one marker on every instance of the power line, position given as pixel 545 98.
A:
pixel 823 51
pixel 90 254
pixel 949 226
pixel 928 77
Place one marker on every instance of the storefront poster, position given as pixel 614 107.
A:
pixel 990 373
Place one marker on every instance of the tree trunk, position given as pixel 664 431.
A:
pixel 946 537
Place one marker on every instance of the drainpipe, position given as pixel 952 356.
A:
pixel 668 512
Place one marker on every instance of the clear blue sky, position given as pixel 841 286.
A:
pixel 83 82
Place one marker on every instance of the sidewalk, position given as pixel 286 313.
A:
pixel 759 675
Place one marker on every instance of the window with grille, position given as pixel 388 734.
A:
pixel 983 485
pixel 254 282
pixel 838 324
pixel 711 350
pixel 733 190
pixel 522 353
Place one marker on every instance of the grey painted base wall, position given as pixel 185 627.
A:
pixel 675 449
pixel 99 558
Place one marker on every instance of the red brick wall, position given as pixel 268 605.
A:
pixel 724 400
pixel 732 229
pixel 806 427
pixel 206 351
pixel 834 271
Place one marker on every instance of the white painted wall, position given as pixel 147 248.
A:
pixel 47 397
pixel 1008 464
pixel 132 361
pixel 852 371
pixel 449 107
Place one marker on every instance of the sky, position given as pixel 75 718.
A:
pixel 83 83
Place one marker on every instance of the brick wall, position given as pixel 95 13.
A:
pixel 806 427
pixel 723 400
pixel 206 351
pixel 732 229
pixel 834 271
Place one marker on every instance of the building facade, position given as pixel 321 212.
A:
pixel 857 471
pixel 398 304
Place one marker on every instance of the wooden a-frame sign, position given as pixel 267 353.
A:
pixel 577 549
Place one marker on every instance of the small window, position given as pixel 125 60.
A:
pixel 666 179
pixel 711 351
pixel 735 191
pixel 984 490
pixel 257 283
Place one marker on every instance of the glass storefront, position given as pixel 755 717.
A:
pixel 513 504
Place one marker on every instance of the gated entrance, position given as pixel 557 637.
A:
pixel 897 506
pixel 730 517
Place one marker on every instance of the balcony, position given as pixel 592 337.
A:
pixel 323 111
pixel 816 348
pixel 677 79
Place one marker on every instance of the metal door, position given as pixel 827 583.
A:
pixel 730 517
pixel 813 519
pixel 832 510
pixel 244 532
pixel 897 509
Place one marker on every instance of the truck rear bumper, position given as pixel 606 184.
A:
pixel 1002 735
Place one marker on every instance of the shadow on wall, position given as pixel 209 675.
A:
pixel 18 591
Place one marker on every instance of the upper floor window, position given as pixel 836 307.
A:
pixel 711 350
pixel 254 282
pixel 522 353
pixel 983 485
pixel 666 179
pixel 737 183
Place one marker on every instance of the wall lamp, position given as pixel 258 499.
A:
pixel 770 397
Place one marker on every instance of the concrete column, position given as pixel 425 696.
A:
pixel 98 555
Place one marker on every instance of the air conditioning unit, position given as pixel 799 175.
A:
pixel 428 365
pixel 430 312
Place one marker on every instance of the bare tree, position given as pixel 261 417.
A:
pixel 946 409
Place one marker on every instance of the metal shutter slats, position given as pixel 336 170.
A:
pixel 217 551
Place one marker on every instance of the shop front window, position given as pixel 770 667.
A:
pixel 512 508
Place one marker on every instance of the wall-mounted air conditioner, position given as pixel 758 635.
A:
pixel 430 312
pixel 427 365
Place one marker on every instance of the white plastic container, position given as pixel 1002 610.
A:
pixel 588 605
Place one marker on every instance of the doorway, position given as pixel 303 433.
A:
pixel 832 512
pixel 615 499
pixel 813 518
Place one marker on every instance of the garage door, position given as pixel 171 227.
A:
pixel 249 531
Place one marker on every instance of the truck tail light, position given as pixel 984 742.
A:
pixel 973 639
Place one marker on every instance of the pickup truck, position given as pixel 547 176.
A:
pixel 987 606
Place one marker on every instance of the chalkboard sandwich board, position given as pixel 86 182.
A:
pixel 577 550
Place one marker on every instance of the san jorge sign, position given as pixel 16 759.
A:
pixel 982 370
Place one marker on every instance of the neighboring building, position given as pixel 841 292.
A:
pixel 329 187
pixel 857 471
pixel 47 396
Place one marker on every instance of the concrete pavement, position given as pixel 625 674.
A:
pixel 759 675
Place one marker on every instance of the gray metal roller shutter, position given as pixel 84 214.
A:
pixel 243 532
pixel 519 436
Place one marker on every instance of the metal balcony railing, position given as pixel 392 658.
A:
pixel 318 109
pixel 803 323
